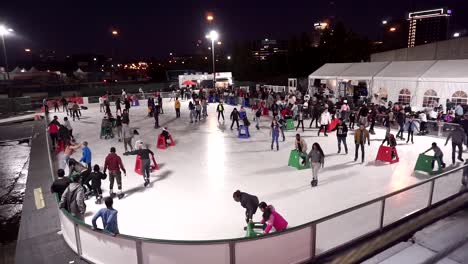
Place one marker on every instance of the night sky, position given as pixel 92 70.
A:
pixel 155 28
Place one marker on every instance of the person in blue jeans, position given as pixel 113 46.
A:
pixel 86 155
pixel 108 216
pixel 275 131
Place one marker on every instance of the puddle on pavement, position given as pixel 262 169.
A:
pixel 14 163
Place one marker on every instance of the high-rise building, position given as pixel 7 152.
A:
pixel 428 26
pixel 267 47
pixel 317 34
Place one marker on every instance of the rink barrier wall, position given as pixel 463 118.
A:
pixel 305 242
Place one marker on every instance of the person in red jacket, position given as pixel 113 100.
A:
pixel 53 128
pixel 114 164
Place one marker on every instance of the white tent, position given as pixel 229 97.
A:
pixel 33 70
pixel 328 75
pixel 362 71
pixel 330 71
pixel 448 80
pixel 399 77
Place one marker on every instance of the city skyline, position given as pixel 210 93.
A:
pixel 156 29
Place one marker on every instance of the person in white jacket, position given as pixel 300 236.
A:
pixel 325 120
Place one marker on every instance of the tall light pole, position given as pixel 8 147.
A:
pixel 213 36
pixel 5 31
pixel 115 34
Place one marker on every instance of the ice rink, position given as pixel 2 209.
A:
pixel 190 197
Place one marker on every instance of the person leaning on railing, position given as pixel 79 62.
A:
pixel 108 216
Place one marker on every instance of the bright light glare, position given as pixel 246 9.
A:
pixel 392 29
pixel 213 35
pixel 385 22
pixel 456 35
pixel 115 32
pixel 209 17
pixel 27 50
pixel 4 30
pixel 228 57
pixel 219 43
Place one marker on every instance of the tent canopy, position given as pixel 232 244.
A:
pixel 362 71
pixel 330 71
pixel 404 70
pixel 447 71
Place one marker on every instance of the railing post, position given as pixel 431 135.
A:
pixel 78 239
pixel 313 240
pixel 382 213
pixel 139 252
pixel 232 252
pixel 431 193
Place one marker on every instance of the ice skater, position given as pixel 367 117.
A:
pixel 86 154
pixel 198 109
pixel 410 127
pixel 258 115
pixel 391 142
pixel 167 136
pixel 401 123
pixel 156 117
pixel 96 176
pixel 300 120
pixel 438 156
pixel 220 110
pixel 317 160
pixel 248 201
pixel 275 130
pixel 272 218
pixel 177 107
pixel 60 184
pixel 235 118
pixel 361 136
pixel 325 120
pixel 114 164
pixel 301 147
pixel 108 216
pixel 192 111
pixel 144 154
pixel 341 134
pixel 458 137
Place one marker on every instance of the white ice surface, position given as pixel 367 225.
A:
pixel 190 197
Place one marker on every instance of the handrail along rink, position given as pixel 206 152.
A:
pixel 304 242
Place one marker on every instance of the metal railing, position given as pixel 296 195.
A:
pixel 305 242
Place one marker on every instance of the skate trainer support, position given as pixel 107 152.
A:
pixel 304 243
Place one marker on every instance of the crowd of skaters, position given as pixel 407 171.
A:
pixel 282 106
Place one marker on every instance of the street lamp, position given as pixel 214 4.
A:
pixel 3 32
pixel 456 34
pixel 210 18
pixel 213 36
pixel 115 32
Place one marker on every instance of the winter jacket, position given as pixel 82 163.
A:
pixel 390 139
pixel 316 156
pixel 113 163
pixel 364 134
pixel 73 200
pixel 86 156
pixel 249 202
pixel 235 115
pixel 59 186
pixel 411 126
pixel 341 130
pixel 53 128
pixel 191 106
pixel 464 124
pixel 400 118
pixel 325 118
pixel 220 108
pixel 363 111
pixel 127 132
pixel 177 104
pixel 96 178
pixel 67 125
pixel 64 133
pixel 276 220
pixel 457 135
pixel 303 145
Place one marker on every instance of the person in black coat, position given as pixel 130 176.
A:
pixel 60 184
pixel 248 201
pixel 235 118
pixel 96 176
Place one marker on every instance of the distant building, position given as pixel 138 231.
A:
pixel 317 33
pixel 428 26
pixel 395 34
pixel 265 48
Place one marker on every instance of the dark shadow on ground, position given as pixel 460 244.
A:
pixel 142 188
